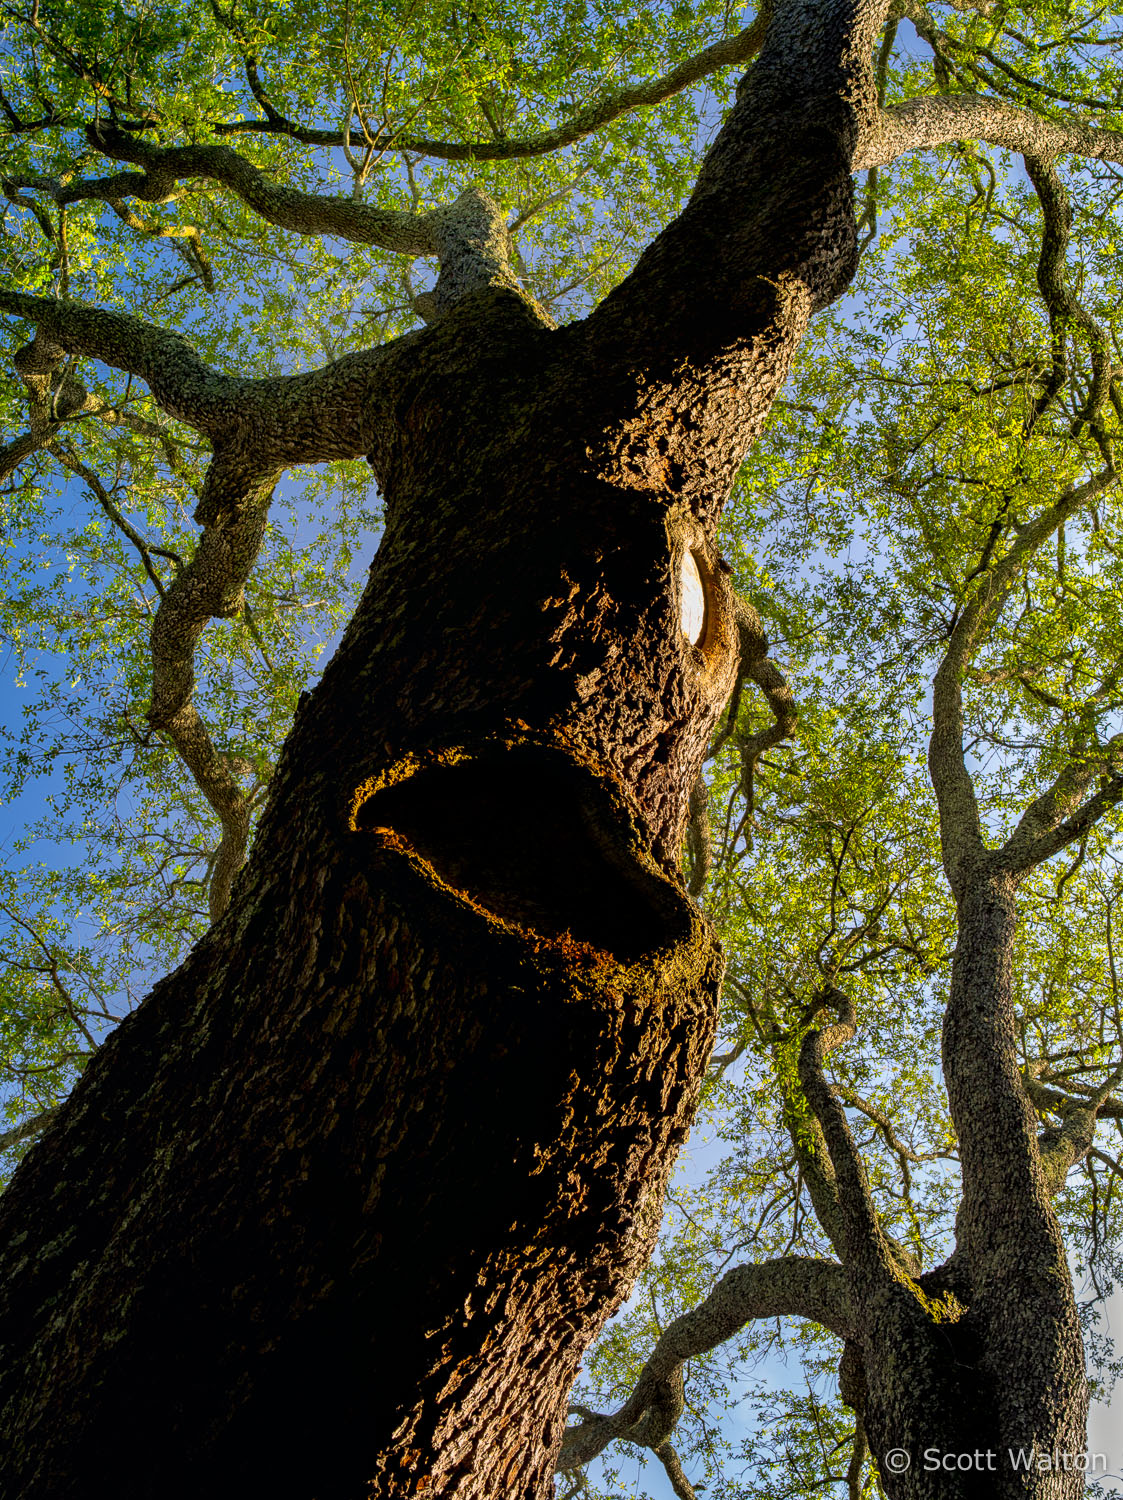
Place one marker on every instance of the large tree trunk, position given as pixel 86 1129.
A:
pixel 364 1174
pixel 981 1382
pixel 342 1204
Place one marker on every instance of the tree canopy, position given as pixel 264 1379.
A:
pixel 926 541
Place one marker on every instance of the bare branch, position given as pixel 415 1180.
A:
pixel 729 52
pixel 793 1286
pixel 26 1129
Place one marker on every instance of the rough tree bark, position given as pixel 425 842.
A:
pixel 339 1208
pixel 341 1205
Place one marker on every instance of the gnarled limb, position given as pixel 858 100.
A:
pixel 163 167
pixel 210 586
pixel 324 414
pixel 1065 308
pixel 180 381
pixel 792 1286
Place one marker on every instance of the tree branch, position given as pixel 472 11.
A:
pixel 181 383
pixel 1061 1147
pixel 961 835
pixel 26 1129
pixel 162 167
pixel 335 412
pixel 793 1286
pixel 868 1254
pixel 729 52
pixel 935 120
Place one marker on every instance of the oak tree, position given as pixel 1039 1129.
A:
pixel 380 1157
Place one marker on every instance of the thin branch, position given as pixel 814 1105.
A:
pixel 729 52
pixel 27 1129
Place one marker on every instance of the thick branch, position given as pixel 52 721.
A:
pixel 935 120
pixel 1059 817
pixel 182 384
pixel 672 1467
pixel 331 413
pixel 698 837
pixel 211 585
pixel 471 243
pixel 698 339
pixel 13 454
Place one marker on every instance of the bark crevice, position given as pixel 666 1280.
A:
pixel 533 839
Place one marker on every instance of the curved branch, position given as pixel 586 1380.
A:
pixel 792 1286
pixel 335 412
pixel 210 586
pixel 469 237
pixel 180 381
pixel 162 167
pixel 868 1254
pixel 727 53
pixel 1063 305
